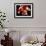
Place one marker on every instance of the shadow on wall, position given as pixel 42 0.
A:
pixel 16 43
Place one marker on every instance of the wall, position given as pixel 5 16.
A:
pixel 25 25
pixel 39 13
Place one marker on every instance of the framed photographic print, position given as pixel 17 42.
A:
pixel 23 10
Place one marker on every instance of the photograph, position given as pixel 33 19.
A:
pixel 23 10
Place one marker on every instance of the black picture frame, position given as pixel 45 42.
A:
pixel 23 10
